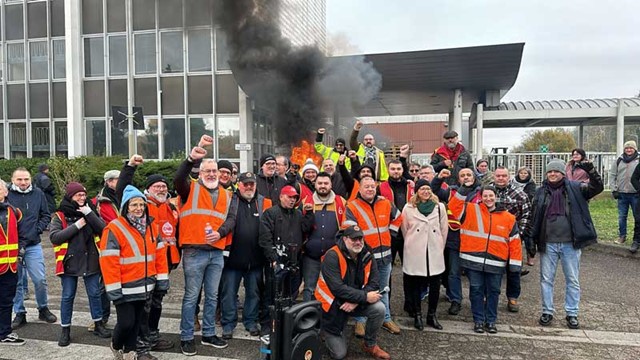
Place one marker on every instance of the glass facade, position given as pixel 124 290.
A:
pixel 172 56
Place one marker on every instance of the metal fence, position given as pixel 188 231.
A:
pixel 537 162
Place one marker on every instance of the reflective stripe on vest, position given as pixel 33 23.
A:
pixel 137 257
pixel 322 291
pixel 195 210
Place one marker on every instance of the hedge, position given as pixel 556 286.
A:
pixel 89 170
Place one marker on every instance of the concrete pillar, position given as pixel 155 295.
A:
pixel 246 131
pixel 73 63
pixel 479 129
pixel 620 128
pixel 581 136
pixel 455 118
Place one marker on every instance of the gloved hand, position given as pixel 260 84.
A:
pixel 615 194
pixel 85 210
pixel 80 223
pixel 586 165
pixel 21 256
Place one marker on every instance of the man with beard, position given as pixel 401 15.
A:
pixel 338 182
pixel 207 216
pixel 307 186
pixel 368 153
pixel 380 220
pixel 282 231
pixel 452 156
pixel 269 182
pixel 35 218
pixel 165 215
pixel 225 168
pixel 516 202
pixel 623 191
pixel 244 260
pixel 349 286
pixel 328 211
pixel 451 279
pixel 328 153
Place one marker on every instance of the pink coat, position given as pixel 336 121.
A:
pixel 424 235
pixel 576 174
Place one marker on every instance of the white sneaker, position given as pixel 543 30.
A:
pixel 12 339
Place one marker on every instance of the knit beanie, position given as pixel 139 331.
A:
pixel 309 165
pixel 631 144
pixel 420 183
pixel 266 157
pixel 73 188
pixel 557 165
pixel 129 193
pixel 152 179
pixel 225 164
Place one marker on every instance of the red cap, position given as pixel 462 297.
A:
pixel 289 191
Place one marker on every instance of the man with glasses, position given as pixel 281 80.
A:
pixel 269 183
pixel 452 155
pixel 349 286
pixel 328 153
pixel 225 168
pixel 368 153
pixel 234 174
pixel 414 171
pixel 426 172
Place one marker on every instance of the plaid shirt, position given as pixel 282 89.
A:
pixel 516 201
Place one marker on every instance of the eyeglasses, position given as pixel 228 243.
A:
pixel 211 171
pixel 159 187
pixel 358 239
pixel 234 173
pixel 414 170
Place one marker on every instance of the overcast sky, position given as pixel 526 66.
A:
pixel 573 49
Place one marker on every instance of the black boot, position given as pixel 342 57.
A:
pixel 65 336
pixel 100 330
pixel 432 320
pixel 417 322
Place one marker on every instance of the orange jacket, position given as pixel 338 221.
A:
pixel 9 242
pixel 199 210
pixel 379 222
pixel 386 191
pixel 166 215
pixel 132 265
pixel 489 240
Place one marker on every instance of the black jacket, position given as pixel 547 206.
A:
pixel 35 214
pixel 245 252
pixel 280 227
pixel 44 183
pixel 352 289
pixel 83 257
pixel 464 160
pixel 576 195
pixel 270 187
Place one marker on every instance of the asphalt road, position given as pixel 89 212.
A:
pixel 609 317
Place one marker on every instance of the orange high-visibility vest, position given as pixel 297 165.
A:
pixel 60 251
pixel 387 192
pixel 132 265
pixel 9 242
pixel 200 210
pixel 166 216
pixel 323 293
pixel 375 223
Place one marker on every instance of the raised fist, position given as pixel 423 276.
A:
pixel 404 150
pixel 352 154
pixel 205 140
pixel 444 173
pixel 136 160
pixel 341 159
pixel 321 130
pixel 197 153
pixel 358 125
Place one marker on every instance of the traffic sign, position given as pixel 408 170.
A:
pixel 544 148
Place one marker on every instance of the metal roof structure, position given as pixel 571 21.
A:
pixel 422 82
pixel 583 112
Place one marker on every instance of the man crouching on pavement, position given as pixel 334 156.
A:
pixel 348 286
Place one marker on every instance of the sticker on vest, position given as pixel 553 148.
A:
pixel 167 231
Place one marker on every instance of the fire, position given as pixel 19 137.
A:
pixel 300 154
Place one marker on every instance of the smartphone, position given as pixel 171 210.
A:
pixel 384 291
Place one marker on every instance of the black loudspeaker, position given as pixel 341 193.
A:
pixel 301 331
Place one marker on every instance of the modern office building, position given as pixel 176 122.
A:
pixel 65 63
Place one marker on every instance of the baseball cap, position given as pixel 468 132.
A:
pixel 353 232
pixel 246 177
pixel 289 191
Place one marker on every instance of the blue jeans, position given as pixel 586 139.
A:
pixel 200 267
pixel 570 259
pixel 230 287
pixel 69 287
pixel 484 285
pixel 34 261
pixel 310 274
pixel 624 202
pixel 454 287
pixel 384 271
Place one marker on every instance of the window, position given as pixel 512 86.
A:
pixel 41 145
pixel 57 17
pixel 15 62
pixel 116 16
pixel 200 97
pixel 59 65
pixel 92 16
pixel 117 93
pixel 199 126
pixel 16 101
pixel 228 136
pixel 200 50
pixel 147 139
pixel 170 13
pixel 222 51
pixel 227 101
pixel 172 95
pixel 37 20
pixel 60 133
pixel 38 100
pixel 96 136
pixel 14 27
pixel 117 55
pixel 59 99
pixel 94 98
pixel 145 56
pixel 146 95
pixel 93 57
pixel 174 132
pixel 144 14
pixel 172 55
pixel 18 140
pixel 38 60
pixel 198 12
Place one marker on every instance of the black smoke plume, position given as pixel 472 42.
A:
pixel 297 84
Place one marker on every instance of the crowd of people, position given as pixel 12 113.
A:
pixel 344 225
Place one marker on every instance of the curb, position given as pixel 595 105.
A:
pixel 622 251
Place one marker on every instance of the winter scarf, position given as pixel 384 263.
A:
pixel 556 207
pixel 426 207
pixel 140 223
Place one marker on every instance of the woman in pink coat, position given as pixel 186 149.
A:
pixel 425 227
pixel 573 170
